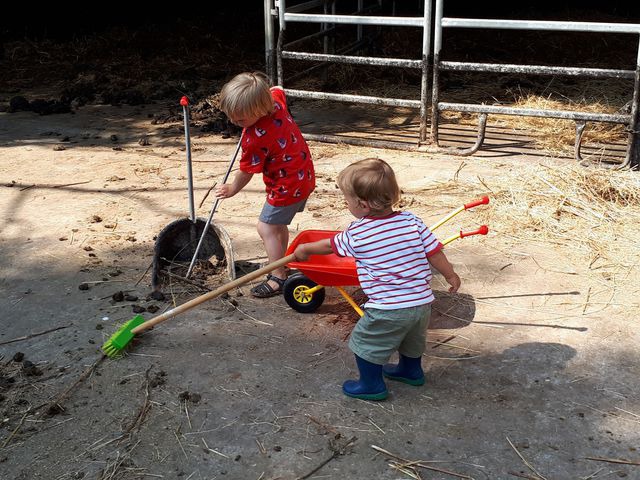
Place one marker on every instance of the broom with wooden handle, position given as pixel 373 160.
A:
pixel 123 336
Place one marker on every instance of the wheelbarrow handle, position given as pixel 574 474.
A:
pixel 481 201
pixel 483 230
pixel 214 293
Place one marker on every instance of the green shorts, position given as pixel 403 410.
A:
pixel 379 333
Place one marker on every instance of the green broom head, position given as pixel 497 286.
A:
pixel 119 340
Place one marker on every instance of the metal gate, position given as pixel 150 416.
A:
pixel 278 14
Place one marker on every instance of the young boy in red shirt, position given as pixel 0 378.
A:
pixel 272 145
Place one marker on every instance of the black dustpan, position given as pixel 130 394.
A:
pixel 176 244
pixel 189 239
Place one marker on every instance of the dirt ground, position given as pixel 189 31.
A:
pixel 530 368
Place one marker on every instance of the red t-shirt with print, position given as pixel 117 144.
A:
pixel 275 147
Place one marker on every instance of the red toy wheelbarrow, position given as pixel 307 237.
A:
pixel 304 290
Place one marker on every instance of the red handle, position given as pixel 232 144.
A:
pixel 184 101
pixel 483 230
pixel 481 201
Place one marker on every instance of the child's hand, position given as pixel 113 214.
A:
pixel 301 253
pixel 305 250
pixel 224 191
pixel 454 281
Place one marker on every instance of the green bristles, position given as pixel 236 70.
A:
pixel 119 340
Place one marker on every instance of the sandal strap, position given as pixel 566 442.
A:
pixel 279 281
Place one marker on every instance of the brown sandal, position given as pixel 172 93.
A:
pixel 264 290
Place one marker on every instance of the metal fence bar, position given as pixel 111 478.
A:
pixel 339 97
pixel 354 60
pixel 592 27
pixel 355 19
pixel 435 87
pixel 536 69
pixel 269 42
pixel 632 121
pixel 426 61
pixel 326 19
pixel 532 112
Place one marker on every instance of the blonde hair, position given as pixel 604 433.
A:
pixel 247 94
pixel 371 180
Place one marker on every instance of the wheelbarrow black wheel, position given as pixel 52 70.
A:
pixel 297 295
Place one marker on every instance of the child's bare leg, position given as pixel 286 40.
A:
pixel 275 239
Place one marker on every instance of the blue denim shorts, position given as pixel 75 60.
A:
pixel 379 333
pixel 280 215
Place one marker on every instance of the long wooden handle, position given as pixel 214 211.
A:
pixel 213 294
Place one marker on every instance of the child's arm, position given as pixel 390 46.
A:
pixel 441 263
pixel 304 250
pixel 227 190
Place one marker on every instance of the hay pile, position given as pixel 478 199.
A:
pixel 589 216
pixel 557 136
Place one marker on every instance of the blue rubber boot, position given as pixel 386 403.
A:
pixel 408 370
pixel 371 384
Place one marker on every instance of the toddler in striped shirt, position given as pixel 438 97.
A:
pixel 394 252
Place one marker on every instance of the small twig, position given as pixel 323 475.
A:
pixel 523 475
pixel 181 447
pixel 61 397
pixel 215 451
pixel 260 322
pixel 613 460
pixel 144 409
pixel 207 194
pixel 142 276
pixel 327 428
pixel 593 474
pixel 523 459
pixel 26 337
pixel 15 430
pixel 626 411
pixel 327 460
pixel 70 184
pixel 421 464
pixel 437 344
pixel 186 410
pixel 186 280
pixel 586 302
pixel 374 424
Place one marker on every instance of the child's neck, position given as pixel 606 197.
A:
pixel 379 214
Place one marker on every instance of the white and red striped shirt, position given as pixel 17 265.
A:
pixel 391 258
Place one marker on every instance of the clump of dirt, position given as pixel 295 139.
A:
pixel 187 396
pixel 158 379
pixel 30 370
pixel 118 296
pixel 54 410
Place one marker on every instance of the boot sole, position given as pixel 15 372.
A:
pixel 416 382
pixel 368 396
